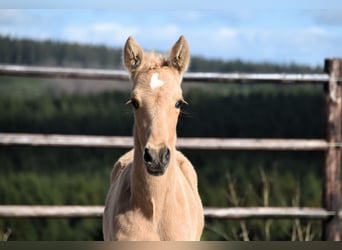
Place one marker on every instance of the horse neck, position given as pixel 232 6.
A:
pixel 150 192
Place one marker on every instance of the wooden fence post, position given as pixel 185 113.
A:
pixel 332 177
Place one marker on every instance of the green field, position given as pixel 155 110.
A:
pixel 70 176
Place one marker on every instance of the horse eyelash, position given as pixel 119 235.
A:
pixel 134 102
pixel 185 102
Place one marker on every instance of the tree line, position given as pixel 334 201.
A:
pixel 55 53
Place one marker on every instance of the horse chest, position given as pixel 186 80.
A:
pixel 176 227
pixel 177 220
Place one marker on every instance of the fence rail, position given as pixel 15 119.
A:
pixel 9 211
pixel 330 212
pixel 183 143
pixel 100 74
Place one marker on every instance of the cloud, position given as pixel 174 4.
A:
pixel 159 37
pixel 226 33
pixel 13 18
pixel 219 34
pixel 109 33
pixel 307 45
pixel 189 16
pixel 115 34
pixel 20 23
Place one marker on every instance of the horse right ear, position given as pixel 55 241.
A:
pixel 133 55
pixel 180 55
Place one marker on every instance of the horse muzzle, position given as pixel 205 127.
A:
pixel 156 161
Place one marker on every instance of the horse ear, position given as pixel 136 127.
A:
pixel 180 55
pixel 133 54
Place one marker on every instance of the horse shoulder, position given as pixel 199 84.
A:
pixel 187 169
pixel 121 164
pixel 117 202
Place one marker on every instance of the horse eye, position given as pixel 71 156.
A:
pixel 179 104
pixel 134 103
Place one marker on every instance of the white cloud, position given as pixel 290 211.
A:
pixel 19 23
pixel 308 45
pixel 315 31
pixel 159 33
pixel 210 33
pixel 115 34
pixel 226 33
pixel 109 33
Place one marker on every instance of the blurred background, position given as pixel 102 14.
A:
pixel 223 37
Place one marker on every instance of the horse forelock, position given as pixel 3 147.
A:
pixel 152 61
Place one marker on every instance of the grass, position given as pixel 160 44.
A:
pixel 245 229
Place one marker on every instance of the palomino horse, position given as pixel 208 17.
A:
pixel 153 193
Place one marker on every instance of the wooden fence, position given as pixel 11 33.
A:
pixel 329 213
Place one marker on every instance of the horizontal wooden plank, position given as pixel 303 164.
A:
pixel 251 144
pixel 257 78
pixel 59 72
pixel 66 140
pixel 99 74
pixel 267 212
pixel 182 143
pixel 27 211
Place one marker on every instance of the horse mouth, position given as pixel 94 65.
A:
pixel 155 169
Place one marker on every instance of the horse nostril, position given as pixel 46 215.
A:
pixel 147 155
pixel 165 155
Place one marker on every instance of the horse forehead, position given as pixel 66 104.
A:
pixel 159 81
pixel 155 82
pixel 162 77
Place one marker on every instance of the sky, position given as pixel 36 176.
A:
pixel 304 32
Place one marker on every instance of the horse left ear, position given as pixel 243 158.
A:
pixel 133 55
pixel 180 55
